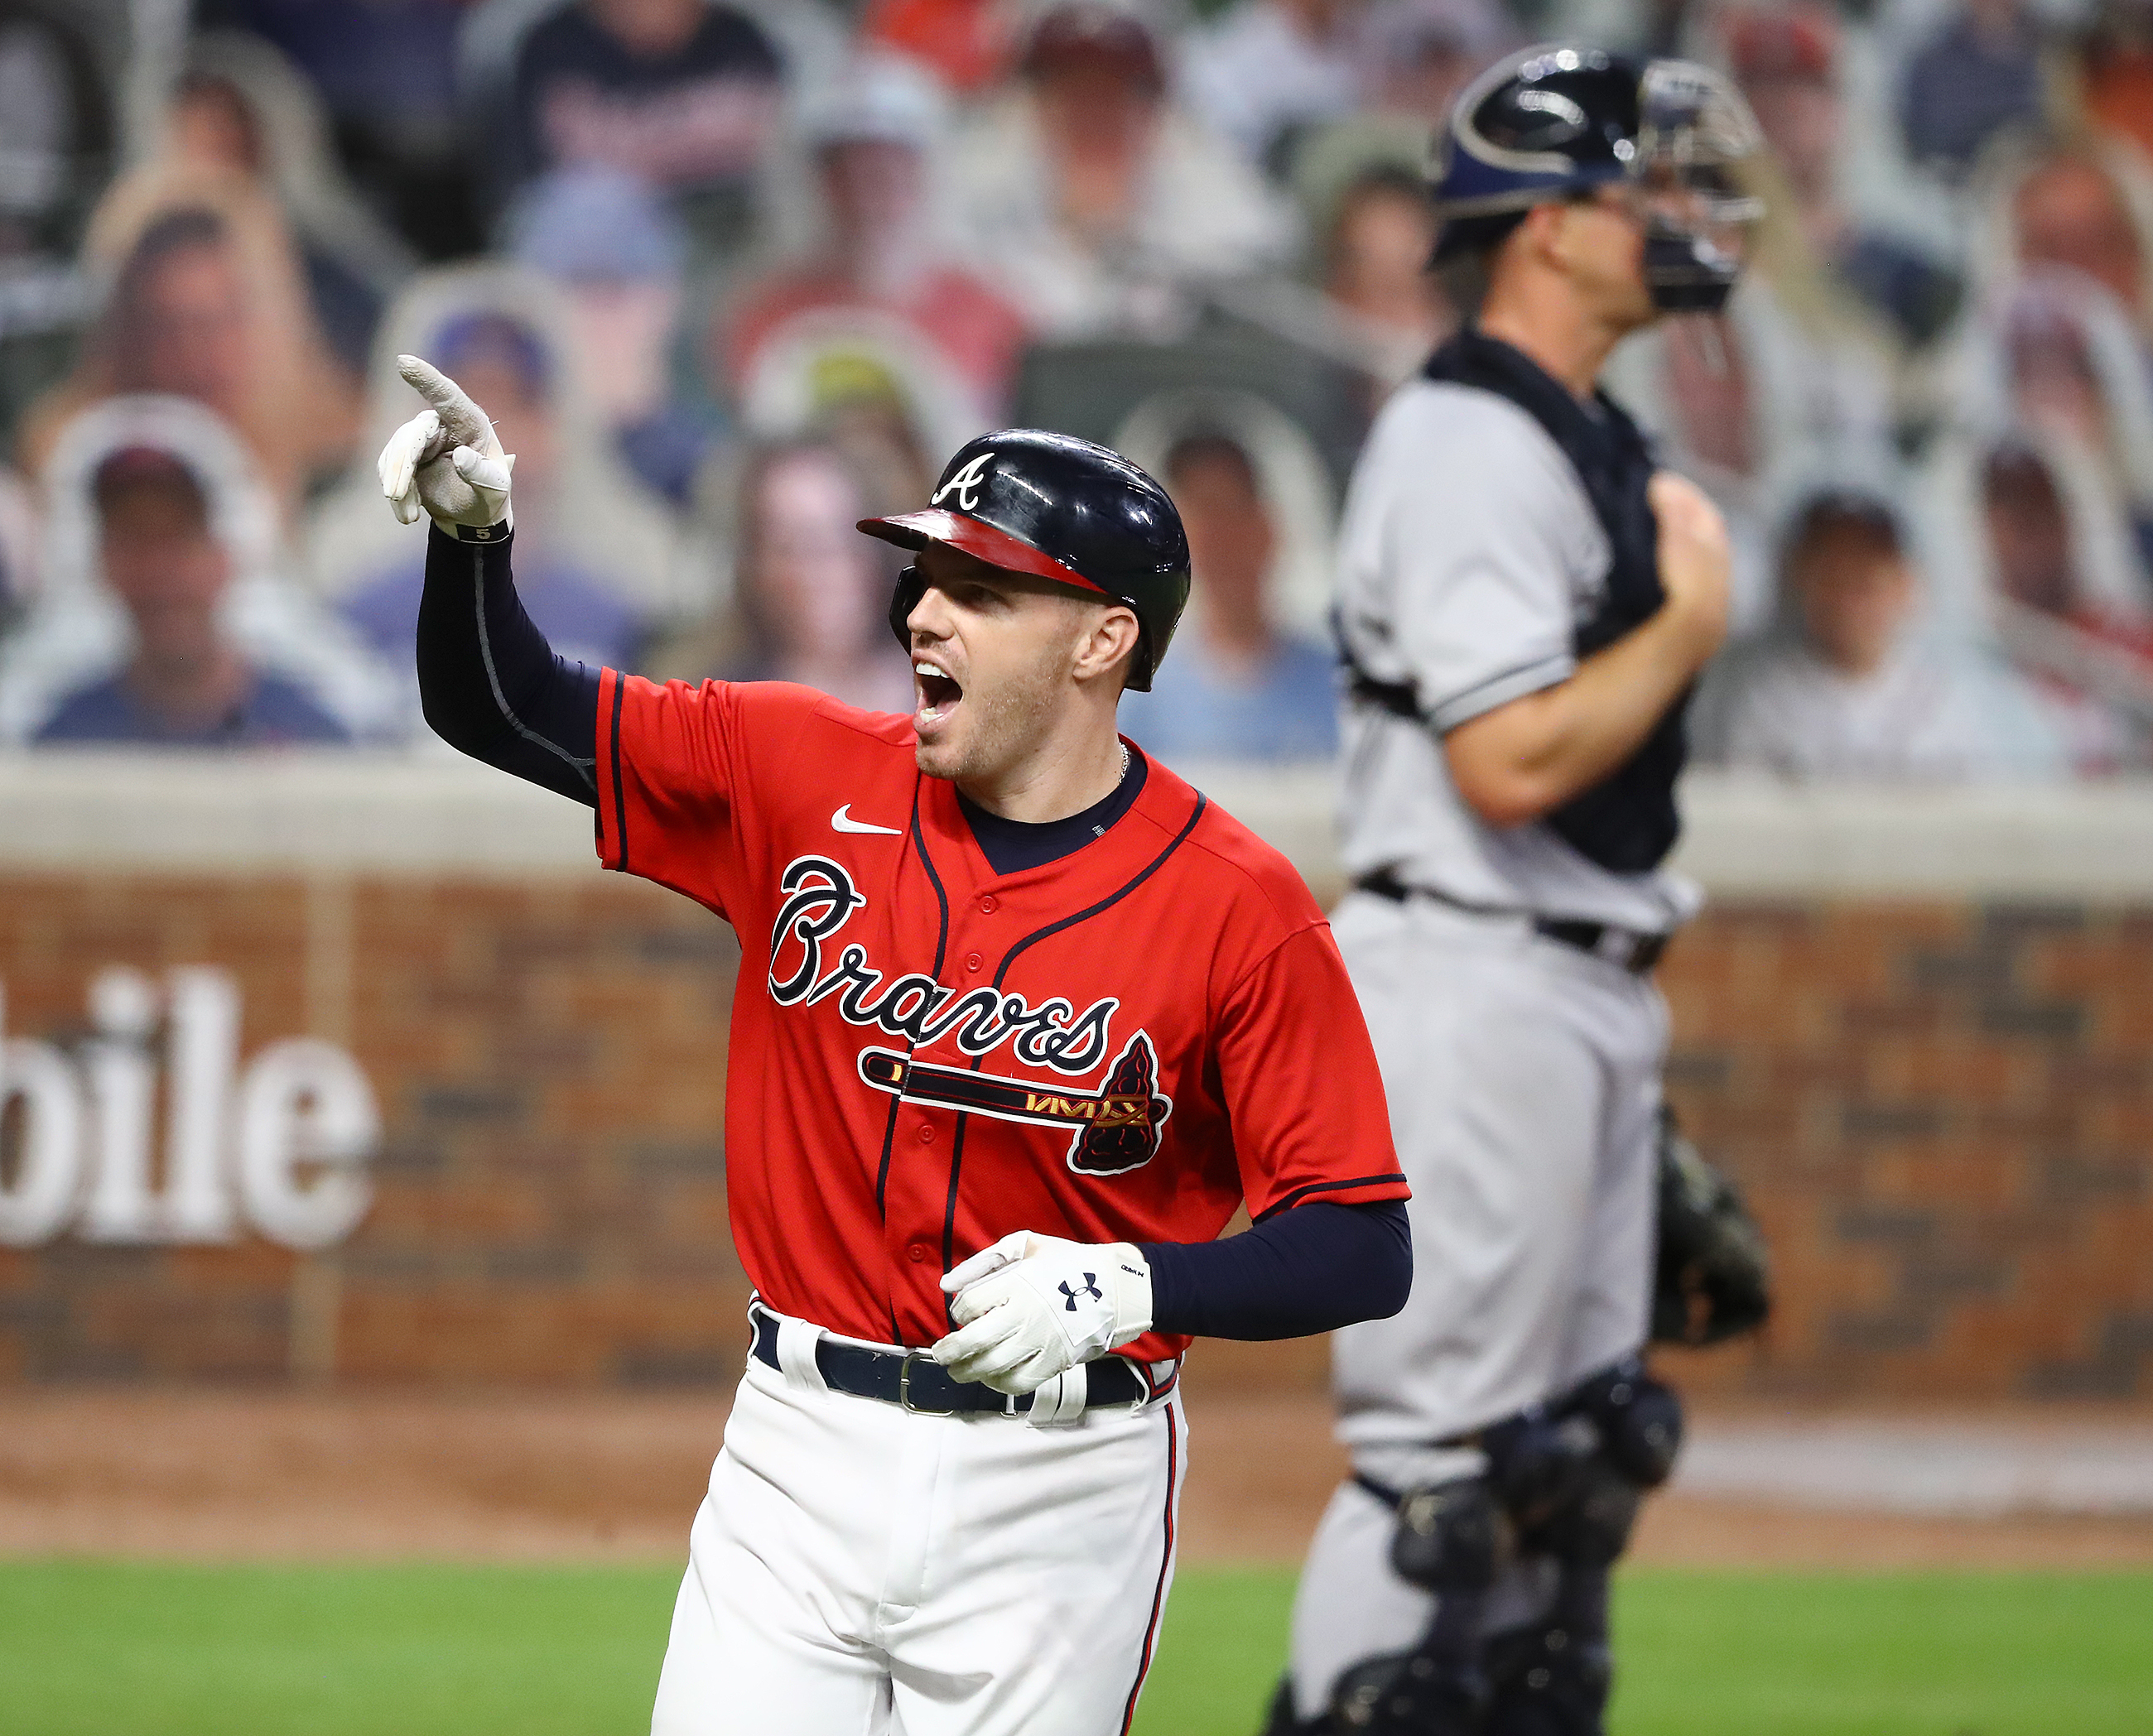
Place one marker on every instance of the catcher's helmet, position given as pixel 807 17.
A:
pixel 1058 508
pixel 1559 120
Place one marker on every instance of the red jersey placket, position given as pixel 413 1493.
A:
pixel 927 1140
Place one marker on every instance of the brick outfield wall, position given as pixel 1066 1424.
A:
pixel 1942 1114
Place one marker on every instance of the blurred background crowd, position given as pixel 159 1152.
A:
pixel 731 274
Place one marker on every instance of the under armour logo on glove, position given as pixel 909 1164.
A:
pixel 1011 1332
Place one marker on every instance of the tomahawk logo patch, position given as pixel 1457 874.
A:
pixel 1117 1130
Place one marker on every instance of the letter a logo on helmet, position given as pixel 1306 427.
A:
pixel 964 484
pixel 1058 508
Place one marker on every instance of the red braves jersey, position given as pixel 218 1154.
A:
pixel 1119 1046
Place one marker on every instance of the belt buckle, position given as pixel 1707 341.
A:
pixel 904 1384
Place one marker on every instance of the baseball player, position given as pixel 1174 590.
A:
pixel 1022 1019
pixel 1524 603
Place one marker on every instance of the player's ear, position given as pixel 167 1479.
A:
pixel 1110 641
pixel 1543 232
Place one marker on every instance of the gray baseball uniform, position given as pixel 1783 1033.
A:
pixel 1522 1070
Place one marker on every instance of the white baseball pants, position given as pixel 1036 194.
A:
pixel 858 1570
pixel 1524 1082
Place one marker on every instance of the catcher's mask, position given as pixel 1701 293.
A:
pixel 1560 121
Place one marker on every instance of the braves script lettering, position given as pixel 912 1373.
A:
pixel 820 900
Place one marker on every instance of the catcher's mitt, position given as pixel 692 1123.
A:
pixel 1714 1278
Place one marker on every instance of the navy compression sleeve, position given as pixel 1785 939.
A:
pixel 1313 1269
pixel 489 683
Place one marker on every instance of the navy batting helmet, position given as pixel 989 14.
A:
pixel 1559 120
pixel 1058 508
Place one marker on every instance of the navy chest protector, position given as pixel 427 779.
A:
pixel 1627 822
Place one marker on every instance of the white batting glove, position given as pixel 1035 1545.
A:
pixel 446 461
pixel 1032 1305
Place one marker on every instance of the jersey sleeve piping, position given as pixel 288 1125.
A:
pixel 1393 1179
pixel 1499 690
pixel 613 842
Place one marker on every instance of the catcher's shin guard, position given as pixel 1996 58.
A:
pixel 1447 1542
pixel 1552 1678
pixel 1280 1720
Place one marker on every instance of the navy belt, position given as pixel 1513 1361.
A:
pixel 1391 1498
pixel 914 1380
pixel 1637 953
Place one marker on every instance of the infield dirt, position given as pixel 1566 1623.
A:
pixel 512 1476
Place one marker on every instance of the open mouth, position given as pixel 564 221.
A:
pixel 937 693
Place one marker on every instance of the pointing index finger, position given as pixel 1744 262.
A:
pixel 461 423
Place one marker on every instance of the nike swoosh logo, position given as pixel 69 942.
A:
pixel 842 821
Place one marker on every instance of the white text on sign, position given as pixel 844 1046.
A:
pixel 280 1146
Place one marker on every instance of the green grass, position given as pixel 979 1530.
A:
pixel 1912 1654
pixel 119 1649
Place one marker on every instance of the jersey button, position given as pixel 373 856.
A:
pixel 916 1253
pixel 973 961
pixel 987 905
pixel 926 1135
